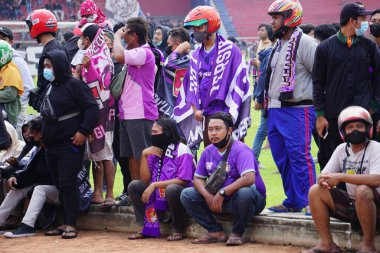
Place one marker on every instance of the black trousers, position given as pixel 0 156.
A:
pixel 64 161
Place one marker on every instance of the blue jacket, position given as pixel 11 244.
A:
pixel 258 92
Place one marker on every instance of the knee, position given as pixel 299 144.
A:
pixel 173 191
pixel 186 195
pixel 316 191
pixel 363 193
pixel 243 195
pixel 133 186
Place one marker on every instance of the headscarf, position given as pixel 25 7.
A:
pixel 16 147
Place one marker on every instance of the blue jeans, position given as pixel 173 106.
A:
pixel 262 132
pixel 243 204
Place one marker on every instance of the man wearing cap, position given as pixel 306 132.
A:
pixel 27 81
pixel 346 72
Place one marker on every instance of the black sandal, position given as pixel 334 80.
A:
pixel 66 236
pixel 54 232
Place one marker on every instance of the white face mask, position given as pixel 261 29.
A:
pixel 92 18
pixel 80 45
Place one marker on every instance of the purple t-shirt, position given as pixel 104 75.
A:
pixel 240 161
pixel 137 99
pixel 177 163
pixel 204 79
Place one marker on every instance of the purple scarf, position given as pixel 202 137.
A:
pixel 230 83
pixel 98 78
pixel 289 71
pixel 157 200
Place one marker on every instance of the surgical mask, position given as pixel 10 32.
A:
pixel 199 36
pixel 160 140
pixel 158 43
pixel 80 44
pixel 92 18
pixel 375 30
pixel 363 28
pixel 223 142
pixel 356 137
pixel 48 75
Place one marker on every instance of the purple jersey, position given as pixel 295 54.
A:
pixel 177 163
pixel 240 161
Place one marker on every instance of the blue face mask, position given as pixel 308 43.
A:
pixel 124 43
pixel 363 28
pixel 48 75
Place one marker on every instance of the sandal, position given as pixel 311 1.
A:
pixel 283 209
pixel 207 239
pixel 69 234
pixel 315 250
pixel 54 232
pixel 237 241
pixel 137 236
pixel 176 237
pixel 108 203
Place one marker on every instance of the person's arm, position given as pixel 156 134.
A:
pixel 332 179
pixel 245 180
pixel 8 94
pixel 145 173
pixel 376 75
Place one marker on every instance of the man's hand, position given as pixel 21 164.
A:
pixel 322 124
pixel 198 115
pixel 12 161
pixel 152 151
pixel 329 180
pixel 184 47
pixel 258 106
pixel 217 203
pixel 121 32
pixel 86 61
pixel 255 62
pixel 78 139
pixel 148 191
pixel 12 182
pixel 209 200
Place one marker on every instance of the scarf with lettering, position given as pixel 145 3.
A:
pixel 157 201
pixel 98 78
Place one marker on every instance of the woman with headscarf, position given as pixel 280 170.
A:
pixel 16 145
pixel 91 13
pixel 160 38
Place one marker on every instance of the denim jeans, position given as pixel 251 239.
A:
pixel 262 132
pixel 243 204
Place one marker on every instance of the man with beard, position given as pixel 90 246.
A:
pixel 289 103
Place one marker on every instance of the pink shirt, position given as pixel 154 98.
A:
pixel 137 99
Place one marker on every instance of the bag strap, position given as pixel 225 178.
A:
pixel 68 116
pixel 225 156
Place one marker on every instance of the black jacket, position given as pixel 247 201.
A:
pixel 68 95
pixel 345 76
pixel 35 172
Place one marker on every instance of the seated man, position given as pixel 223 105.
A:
pixel 35 175
pixel 243 192
pixel 167 167
pixel 356 163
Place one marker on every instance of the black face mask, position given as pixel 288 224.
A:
pixel 169 50
pixel 200 36
pixel 160 141
pixel 32 142
pixel 375 30
pixel 356 137
pixel 223 142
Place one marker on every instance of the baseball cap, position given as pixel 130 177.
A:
pixel 6 32
pixel 352 10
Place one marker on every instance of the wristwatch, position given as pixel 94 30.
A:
pixel 222 192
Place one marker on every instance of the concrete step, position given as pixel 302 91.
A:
pixel 270 228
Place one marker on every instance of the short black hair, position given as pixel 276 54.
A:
pixel 169 127
pixel 307 28
pixel 181 33
pixel 226 117
pixel 139 26
pixel 375 12
pixel 68 35
pixel 324 31
pixel 336 26
pixel 35 124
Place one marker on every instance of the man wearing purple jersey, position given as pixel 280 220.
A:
pixel 217 77
pixel 243 192
pixel 167 167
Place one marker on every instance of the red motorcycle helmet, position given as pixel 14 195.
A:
pixel 41 21
pixel 201 15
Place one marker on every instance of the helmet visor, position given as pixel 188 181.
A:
pixel 198 22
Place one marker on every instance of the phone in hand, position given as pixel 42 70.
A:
pixel 325 133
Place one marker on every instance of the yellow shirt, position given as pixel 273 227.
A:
pixel 10 76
